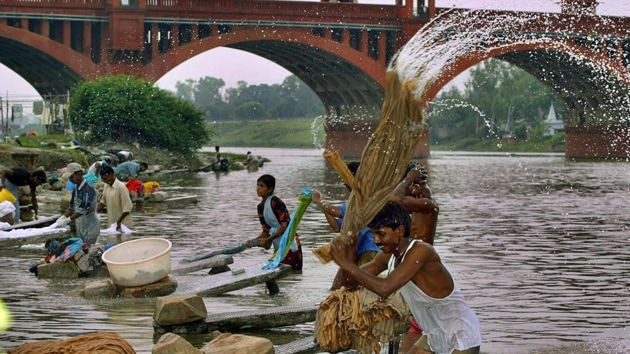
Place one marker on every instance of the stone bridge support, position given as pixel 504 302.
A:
pixel 349 133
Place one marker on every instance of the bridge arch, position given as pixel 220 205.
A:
pixel 594 86
pixel 50 67
pixel 339 75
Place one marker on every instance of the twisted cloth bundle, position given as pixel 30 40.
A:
pixel 103 343
pixel 358 320
pixel 383 161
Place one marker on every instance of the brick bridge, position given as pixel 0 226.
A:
pixel 341 50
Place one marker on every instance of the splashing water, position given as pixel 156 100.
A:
pixel 319 136
pixel 585 70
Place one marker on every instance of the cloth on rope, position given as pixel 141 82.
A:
pixel 288 236
pixel 358 319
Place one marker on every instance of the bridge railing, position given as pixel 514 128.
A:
pixel 202 9
pixel 62 5
pixel 304 9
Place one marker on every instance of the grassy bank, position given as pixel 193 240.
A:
pixel 497 145
pixel 304 133
pixel 295 133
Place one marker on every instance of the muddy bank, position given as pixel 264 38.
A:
pixel 52 159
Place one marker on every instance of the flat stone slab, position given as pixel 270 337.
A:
pixel 171 202
pixel 212 285
pixel 273 317
pixel 174 202
pixel 304 345
pixel 208 263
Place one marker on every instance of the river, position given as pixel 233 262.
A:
pixel 538 244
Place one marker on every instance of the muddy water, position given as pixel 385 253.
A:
pixel 538 244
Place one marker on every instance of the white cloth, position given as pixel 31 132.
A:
pixel 449 323
pixel 62 221
pixel 6 207
pixel 111 230
pixel 274 224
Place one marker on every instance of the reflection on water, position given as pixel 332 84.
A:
pixel 538 244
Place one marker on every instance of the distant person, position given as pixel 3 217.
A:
pixel 124 156
pixel 248 158
pixel 217 154
pixel 415 269
pixel 83 205
pixel 95 168
pixel 116 199
pixel 416 196
pixel 251 162
pixel 130 169
pixel 17 177
pixel 93 174
pixel 366 249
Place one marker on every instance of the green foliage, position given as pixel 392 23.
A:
pixel 498 100
pixel 520 132
pixel 558 139
pixel 537 134
pixel 251 110
pixel 127 109
pixel 292 99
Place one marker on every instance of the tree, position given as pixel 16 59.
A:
pixel 251 110
pixel 498 98
pixel 185 90
pixel 126 109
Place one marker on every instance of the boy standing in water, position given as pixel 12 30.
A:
pixel 414 268
pixel 274 218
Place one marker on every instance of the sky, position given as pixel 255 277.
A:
pixel 233 65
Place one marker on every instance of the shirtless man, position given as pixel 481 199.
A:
pixel 415 268
pixel 415 195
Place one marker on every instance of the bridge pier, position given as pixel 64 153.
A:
pixel 597 141
pixel 351 137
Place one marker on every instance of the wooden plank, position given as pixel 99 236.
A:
pixel 304 345
pixel 272 317
pixel 212 285
pixel 180 201
pixel 216 261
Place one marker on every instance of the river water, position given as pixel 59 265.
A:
pixel 538 244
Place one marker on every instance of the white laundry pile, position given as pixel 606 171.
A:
pixel 6 207
pixel 112 230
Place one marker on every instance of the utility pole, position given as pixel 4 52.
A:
pixel 2 117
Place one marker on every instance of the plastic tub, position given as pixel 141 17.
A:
pixel 139 262
pixel 6 195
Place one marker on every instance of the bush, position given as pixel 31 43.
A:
pixel 126 109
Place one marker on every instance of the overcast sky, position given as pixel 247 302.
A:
pixel 233 65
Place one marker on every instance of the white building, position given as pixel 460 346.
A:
pixel 554 125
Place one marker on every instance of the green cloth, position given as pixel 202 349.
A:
pixel 288 236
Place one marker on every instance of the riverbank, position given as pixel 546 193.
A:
pixel 53 152
pixel 309 132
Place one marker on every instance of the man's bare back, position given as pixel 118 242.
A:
pixel 416 196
